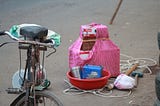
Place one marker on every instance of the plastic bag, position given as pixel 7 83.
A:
pixel 124 82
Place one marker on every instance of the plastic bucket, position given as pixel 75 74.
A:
pixel 89 84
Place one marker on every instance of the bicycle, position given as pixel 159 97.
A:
pixel 33 79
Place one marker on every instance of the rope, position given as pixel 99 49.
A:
pixel 98 92
pixel 127 63
pixel 124 65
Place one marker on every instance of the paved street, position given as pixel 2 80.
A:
pixel 134 30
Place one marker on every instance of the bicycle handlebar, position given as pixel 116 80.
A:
pixel 2 33
pixel 47 44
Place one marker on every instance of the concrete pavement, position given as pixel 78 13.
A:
pixel 134 30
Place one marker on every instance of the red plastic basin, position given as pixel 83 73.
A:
pixel 89 84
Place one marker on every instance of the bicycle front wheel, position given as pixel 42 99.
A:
pixel 42 98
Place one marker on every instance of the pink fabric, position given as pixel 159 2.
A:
pixel 104 52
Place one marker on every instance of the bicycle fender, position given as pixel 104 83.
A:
pixel 17 99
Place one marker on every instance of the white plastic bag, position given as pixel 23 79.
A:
pixel 124 82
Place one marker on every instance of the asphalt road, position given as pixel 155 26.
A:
pixel 134 30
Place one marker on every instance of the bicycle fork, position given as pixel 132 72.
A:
pixel 29 83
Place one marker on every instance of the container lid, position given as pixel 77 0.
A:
pixel 99 30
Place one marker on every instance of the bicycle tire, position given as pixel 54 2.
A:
pixel 157 85
pixel 20 100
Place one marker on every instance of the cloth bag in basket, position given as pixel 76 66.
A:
pixel 103 52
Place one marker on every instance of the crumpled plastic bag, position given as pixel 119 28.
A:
pixel 124 82
pixel 15 31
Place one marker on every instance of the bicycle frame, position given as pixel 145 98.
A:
pixel 32 63
pixel 33 73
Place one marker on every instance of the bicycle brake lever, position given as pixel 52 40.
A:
pixel 2 44
pixel 51 52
